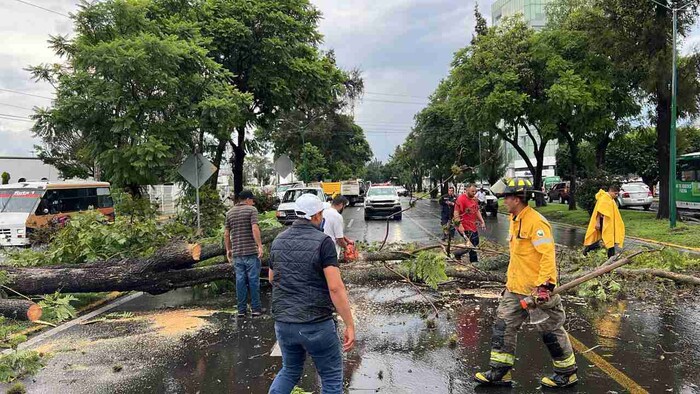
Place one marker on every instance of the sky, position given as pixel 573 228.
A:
pixel 402 47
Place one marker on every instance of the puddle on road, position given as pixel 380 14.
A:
pixel 397 352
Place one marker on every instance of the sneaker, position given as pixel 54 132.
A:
pixel 495 377
pixel 558 380
pixel 240 314
pixel 257 313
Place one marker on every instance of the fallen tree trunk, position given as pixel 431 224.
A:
pixel 678 278
pixel 20 309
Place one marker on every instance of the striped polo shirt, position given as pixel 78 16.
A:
pixel 239 222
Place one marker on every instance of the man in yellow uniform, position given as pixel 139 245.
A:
pixel 531 271
pixel 606 223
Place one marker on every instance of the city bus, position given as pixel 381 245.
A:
pixel 688 182
pixel 27 206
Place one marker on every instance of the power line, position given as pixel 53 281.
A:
pixel 25 94
pixel 15 119
pixel 396 95
pixel 42 8
pixel 16 106
pixel 393 101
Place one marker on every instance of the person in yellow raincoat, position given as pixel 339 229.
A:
pixel 606 223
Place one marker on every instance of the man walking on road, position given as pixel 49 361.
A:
pixel 333 224
pixel 447 202
pixel 467 214
pixel 306 288
pixel 606 223
pixel 531 271
pixel 244 249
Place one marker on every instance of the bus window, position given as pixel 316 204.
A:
pixel 104 199
pixel 20 201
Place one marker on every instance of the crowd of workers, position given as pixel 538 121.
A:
pixel 308 290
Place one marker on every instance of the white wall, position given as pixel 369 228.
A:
pixel 30 168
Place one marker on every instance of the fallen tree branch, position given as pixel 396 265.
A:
pixel 678 278
pixel 20 309
pixel 407 279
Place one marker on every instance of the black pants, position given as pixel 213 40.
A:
pixel 473 237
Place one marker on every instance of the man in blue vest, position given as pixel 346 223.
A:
pixel 306 290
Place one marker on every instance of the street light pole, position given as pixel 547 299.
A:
pixel 674 92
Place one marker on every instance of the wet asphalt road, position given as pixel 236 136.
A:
pixel 642 346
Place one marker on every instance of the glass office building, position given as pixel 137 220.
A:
pixel 533 11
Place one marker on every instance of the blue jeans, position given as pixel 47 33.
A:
pixel 247 274
pixel 321 341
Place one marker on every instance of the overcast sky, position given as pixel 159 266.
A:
pixel 403 48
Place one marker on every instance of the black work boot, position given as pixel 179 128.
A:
pixel 558 380
pixel 500 376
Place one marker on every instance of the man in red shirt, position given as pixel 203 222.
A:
pixel 468 214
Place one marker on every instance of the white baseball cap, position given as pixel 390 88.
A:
pixel 308 204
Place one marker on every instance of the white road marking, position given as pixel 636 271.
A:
pixel 350 224
pixel 276 350
pixel 359 209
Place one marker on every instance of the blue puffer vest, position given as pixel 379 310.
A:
pixel 299 289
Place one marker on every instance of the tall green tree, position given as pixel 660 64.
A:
pixel 312 166
pixel 374 172
pixel 495 88
pixel 260 168
pixel 637 36
pixel 271 49
pixel 135 94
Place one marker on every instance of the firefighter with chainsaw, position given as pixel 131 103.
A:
pixel 532 272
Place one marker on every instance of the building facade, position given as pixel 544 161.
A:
pixel 534 13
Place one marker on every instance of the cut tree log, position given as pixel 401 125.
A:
pixel 20 309
pixel 676 277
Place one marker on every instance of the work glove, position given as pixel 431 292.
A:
pixel 544 292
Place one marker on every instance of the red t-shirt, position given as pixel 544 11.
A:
pixel 467 208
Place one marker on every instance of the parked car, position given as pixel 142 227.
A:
pixel 491 203
pixel 559 192
pixel 401 191
pixel 382 201
pixel 286 212
pixel 283 187
pixel 635 195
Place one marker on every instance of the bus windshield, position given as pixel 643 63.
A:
pixel 689 169
pixel 22 201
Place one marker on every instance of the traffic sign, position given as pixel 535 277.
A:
pixel 196 170
pixel 283 166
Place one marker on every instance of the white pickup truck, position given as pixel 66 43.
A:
pixel 286 213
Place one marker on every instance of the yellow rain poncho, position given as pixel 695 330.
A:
pixel 613 231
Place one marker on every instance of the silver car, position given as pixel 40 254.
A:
pixel 635 195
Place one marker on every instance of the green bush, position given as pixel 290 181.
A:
pixel 585 193
pixel 213 211
pixel 89 237
pixel 264 202
pixel 5 178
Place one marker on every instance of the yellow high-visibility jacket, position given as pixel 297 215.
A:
pixel 531 252
pixel 613 227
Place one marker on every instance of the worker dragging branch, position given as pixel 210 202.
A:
pixel 606 223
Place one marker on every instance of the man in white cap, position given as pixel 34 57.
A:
pixel 306 290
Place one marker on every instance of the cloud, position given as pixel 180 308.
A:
pixel 403 47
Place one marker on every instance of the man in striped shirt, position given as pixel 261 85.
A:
pixel 244 249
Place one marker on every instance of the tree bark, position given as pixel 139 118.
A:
pixel 678 278
pixel 218 156
pixel 663 135
pixel 237 161
pixel 20 309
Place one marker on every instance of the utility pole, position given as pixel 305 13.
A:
pixel 674 93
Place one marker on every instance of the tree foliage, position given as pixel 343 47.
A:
pixel 312 164
pixel 134 92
